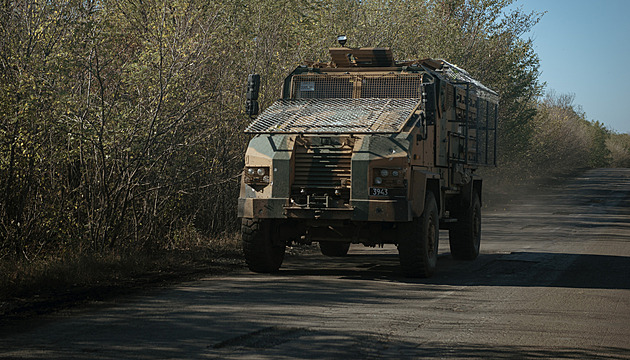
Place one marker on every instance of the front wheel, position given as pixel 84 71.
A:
pixel 418 241
pixel 465 236
pixel 261 253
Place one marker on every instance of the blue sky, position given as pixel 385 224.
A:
pixel 584 49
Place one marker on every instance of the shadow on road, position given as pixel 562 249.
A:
pixel 361 307
pixel 535 269
pixel 373 346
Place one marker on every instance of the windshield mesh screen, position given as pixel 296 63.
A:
pixel 356 86
pixel 391 87
pixel 318 87
pixel 334 116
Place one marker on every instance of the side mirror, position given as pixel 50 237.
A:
pixel 253 87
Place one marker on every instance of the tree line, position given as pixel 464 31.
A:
pixel 122 121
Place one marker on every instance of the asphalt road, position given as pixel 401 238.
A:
pixel 552 281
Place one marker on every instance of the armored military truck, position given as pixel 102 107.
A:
pixel 367 150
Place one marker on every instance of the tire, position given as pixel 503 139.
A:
pixel 465 236
pixel 418 244
pixel 334 248
pixel 261 254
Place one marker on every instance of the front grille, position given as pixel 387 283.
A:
pixel 322 168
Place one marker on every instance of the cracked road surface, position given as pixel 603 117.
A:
pixel 552 281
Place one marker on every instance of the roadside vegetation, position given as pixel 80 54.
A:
pixel 121 122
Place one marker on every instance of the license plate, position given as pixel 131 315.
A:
pixel 378 192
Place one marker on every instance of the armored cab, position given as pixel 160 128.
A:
pixel 367 150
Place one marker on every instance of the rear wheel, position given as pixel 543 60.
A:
pixel 465 236
pixel 418 244
pixel 334 248
pixel 261 254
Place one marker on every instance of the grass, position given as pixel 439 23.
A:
pixel 51 283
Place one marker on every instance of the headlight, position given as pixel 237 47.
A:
pixel 389 178
pixel 257 175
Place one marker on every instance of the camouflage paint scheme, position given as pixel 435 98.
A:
pixel 429 152
pixel 371 151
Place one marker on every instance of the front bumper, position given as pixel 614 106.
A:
pixel 390 210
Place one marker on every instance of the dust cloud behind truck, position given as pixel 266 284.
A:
pixel 364 149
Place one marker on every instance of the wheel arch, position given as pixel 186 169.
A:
pixel 423 182
pixel 474 186
pixel 433 186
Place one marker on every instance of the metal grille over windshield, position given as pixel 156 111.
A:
pixel 318 87
pixel 391 87
pixel 356 86
pixel 335 116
